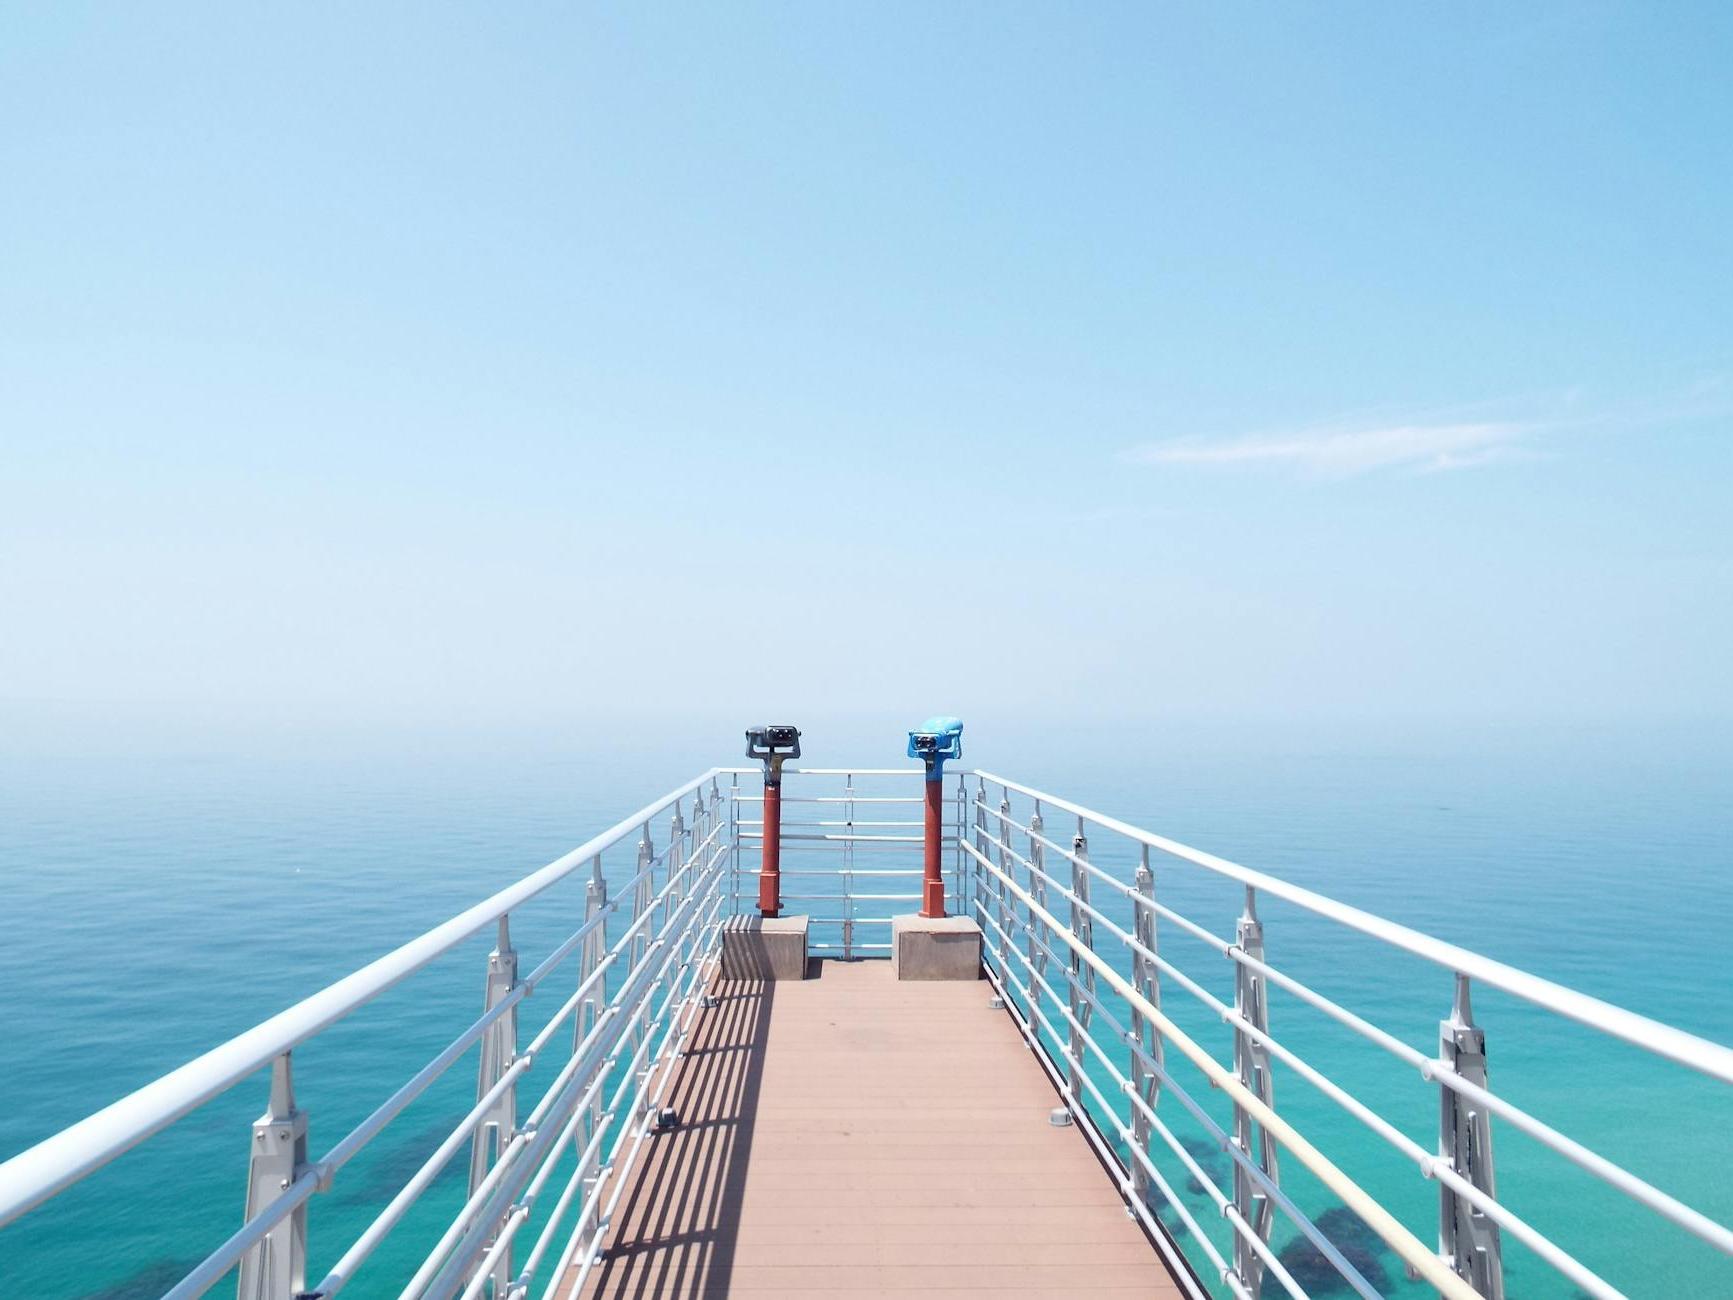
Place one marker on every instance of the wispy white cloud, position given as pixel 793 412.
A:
pixel 1443 439
pixel 1342 452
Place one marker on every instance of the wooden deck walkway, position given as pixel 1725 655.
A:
pixel 849 1135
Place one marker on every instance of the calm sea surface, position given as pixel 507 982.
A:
pixel 157 901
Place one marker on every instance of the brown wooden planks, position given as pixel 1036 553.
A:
pixel 849 1135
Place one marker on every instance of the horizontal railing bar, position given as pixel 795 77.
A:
pixel 226 1256
pixel 1407 1247
pixel 834 799
pixel 556 1216
pixel 793 770
pixel 1429 1165
pixel 591 1202
pixel 844 898
pixel 644 1098
pixel 1231 1214
pixel 32 1176
pixel 1434 1070
pixel 1113 882
pixel 1645 1193
pixel 387 1219
pixel 1664 1040
pixel 706 955
pixel 831 873
pixel 822 823
pixel 746 834
pixel 530 1143
pixel 609 1167
pixel 369 1128
pixel 1062 1085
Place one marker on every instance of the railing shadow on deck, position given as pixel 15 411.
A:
pixel 676 1232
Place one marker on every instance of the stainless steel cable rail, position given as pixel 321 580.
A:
pixel 1072 926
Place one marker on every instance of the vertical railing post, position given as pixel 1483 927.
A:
pixel 1467 1239
pixel 498 1049
pixel 276 1268
pixel 1252 1064
pixel 734 843
pixel 1082 976
pixel 1002 838
pixel 642 897
pixel 720 846
pixel 714 826
pixel 642 892
pixel 848 867
pixel 981 848
pixel 594 950
pixel 1037 891
pixel 1146 981
pixel 678 887
pixel 676 859
pixel 964 869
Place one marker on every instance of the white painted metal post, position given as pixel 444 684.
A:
pixel 1145 980
pixel 1002 837
pixel 276 1268
pixel 643 899
pixel 677 886
pixel 1082 975
pixel 967 876
pixel 734 843
pixel 848 868
pixel 1037 891
pixel 980 880
pixel 1252 1064
pixel 590 958
pixel 498 1049
pixel 1467 1239
pixel 676 859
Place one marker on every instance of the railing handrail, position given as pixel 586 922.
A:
pixel 1397 1236
pixel 794 768
pixel 37 1173
pixel 1678 1045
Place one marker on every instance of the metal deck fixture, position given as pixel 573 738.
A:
pixel 616 1093
pixel 774 746
pixel 936 740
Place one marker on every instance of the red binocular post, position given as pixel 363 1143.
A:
pixel 772 746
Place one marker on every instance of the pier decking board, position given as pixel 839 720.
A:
pixel 850 1135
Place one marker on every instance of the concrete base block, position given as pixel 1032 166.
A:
pixel 764 948
pixel 935 948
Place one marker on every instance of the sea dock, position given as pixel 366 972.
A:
pixel 906 1030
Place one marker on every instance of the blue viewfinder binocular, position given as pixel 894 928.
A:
pixel 934 741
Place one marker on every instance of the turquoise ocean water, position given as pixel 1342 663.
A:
pixel 158 900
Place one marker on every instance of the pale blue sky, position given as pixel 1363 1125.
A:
pixel 516 364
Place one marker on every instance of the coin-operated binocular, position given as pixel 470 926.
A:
pixel 774 746
pixel 933 742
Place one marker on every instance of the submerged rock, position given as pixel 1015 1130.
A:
pixel 1359 1245
pixel 148 1283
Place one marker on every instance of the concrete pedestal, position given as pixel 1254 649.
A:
pixel 935 948
pixel 764 948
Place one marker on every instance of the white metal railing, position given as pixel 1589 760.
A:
pixel 1071 922
pixel 637 989
pixel 1086 989
pixel 847 817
